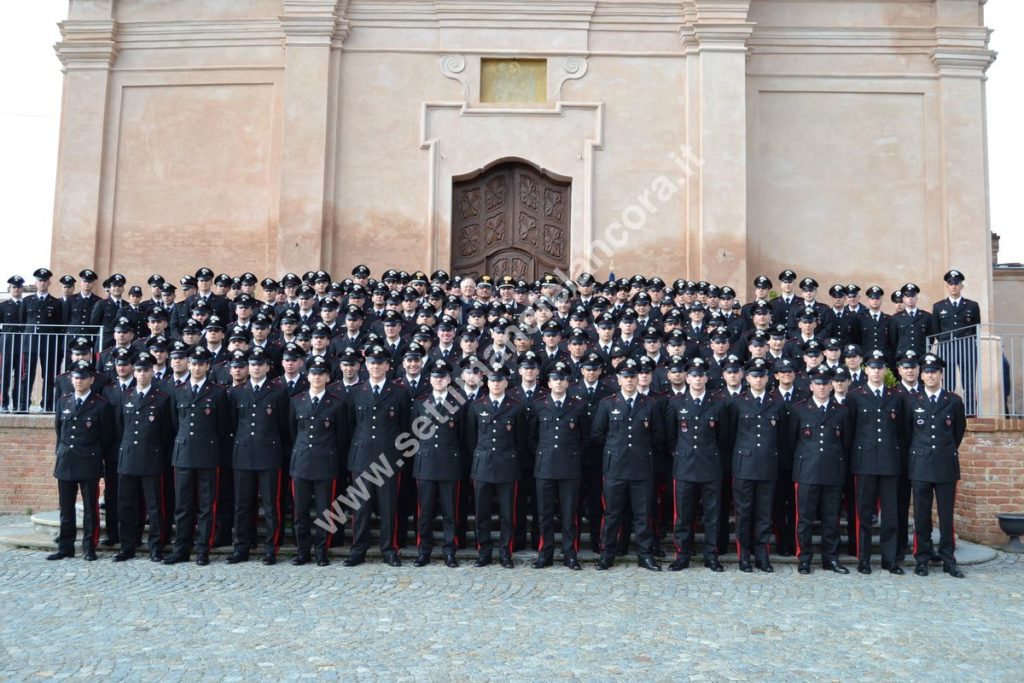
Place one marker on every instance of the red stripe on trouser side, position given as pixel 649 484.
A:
pixel 419 511
pixel 732 482
pixel 675 517
pixel 96 518
pixel 394 528
pixel 458 496
pixel 796 519
pixel 277 507
pixel 213 521
pixel 856 515
pixel 334 492
pixel 600 533
pixel 512 535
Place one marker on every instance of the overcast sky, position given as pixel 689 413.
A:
pixel 30 117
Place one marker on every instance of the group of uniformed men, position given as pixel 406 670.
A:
pixel 639 404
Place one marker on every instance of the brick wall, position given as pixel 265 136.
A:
pixel 992 478
pixel 26 463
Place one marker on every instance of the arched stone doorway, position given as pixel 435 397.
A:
pixel 510 219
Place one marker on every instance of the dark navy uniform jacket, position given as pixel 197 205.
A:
pixel 441 455
pixel 374 424
pixel 558 437
pixel 147 432
pixel 497 439
pixel 260 425
pixel 879 436
pixel 935 432
pixel 631 439
pixel 85 437
pixel 202 426
pixel 757 438
pixel 698 437
pixel 820 442
pixel 318 437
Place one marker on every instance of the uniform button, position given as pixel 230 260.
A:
pixel 135 442
pixel 191 434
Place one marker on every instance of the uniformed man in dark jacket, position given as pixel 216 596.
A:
pixel 44 319
pixel 936 422
pixel 819 433
pixel 495 431
pixel 593 389
pixel 631 429
pixel 81 348
pixel 106 311
pixel 879 441
pixel 558 435
pixel 698 430
pixel 144 422
pixel 758 418
pixel 318 444
pixel 84 423
pixel 259 412
pixel 12 315
pixel 909 370
pixel 78 308
pixel 377 413
pixel 202 421
pixel 874 325
pixel 437 423
pixel 955 319
pixel 909 329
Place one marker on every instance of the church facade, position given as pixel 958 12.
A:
pixel 705 139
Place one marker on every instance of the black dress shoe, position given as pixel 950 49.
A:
pixel 679 564
pixel 542 562
pixel 354 560
pixel 572 563
pixel 863 568
pixel 766 567
pixel 422 561
pixel 896 569
pixel 507 562
pixel 714 565
pixel 156 556
pixel 835 566
pixel 124 556
pixel 605 563
pixel 953 571
pixel 482 561
pixel 746 567
pixel 60 555
pixel 202 559
pixel 322 560
pixel 393 560
pixel 176 558
pixel 649 563
pixel 269 559
pixel 300 560
pixel 805 568
pixel 921 569
pixel 450 561
pixel 935 558
pixel 90 555
pixel 236 557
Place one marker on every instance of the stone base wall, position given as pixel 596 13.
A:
pixel 26 463
pixel 992 478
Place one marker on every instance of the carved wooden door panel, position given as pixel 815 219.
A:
pixel 510 220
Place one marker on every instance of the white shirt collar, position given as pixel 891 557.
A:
pixel 317 396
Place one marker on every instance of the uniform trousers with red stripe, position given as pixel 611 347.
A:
pixel 152 494
pixel 687 495
pixel 818 501
pixel 385 497
pixel 67 493
pixel 638 494
pixel 753 500
pixel 875 491
pixel 567 493
pixel 945 495
pixel 267 485
pixel 195 496
pixel 505 494
pixel 311 496
pixel 431 495
pixel 783 513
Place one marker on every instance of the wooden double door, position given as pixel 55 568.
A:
pixel 510 220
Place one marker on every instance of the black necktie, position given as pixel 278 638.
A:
pixel 823 408
pixel 438 403
pixel 529 395
pixel 495 404
pixel 195 390
pixel 376 393
pixel 878 393
pixel 124 386
pixel 78 403
pixel 935 399
pixel 590 391
pixel 760 401
pixel 629 407
pixel 696 402
pixel 412 385
pixel 291 384
pixel 139 398
pixel 787 397
pixel 316 402
pixel 558 405
pixel 444 354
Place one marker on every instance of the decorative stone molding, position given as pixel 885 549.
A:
pixel 454 67
pixel 570 69
pixel 310 22
pixel 962 52
pixel 87 45
pixel 715 25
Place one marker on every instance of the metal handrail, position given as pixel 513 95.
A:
pixel 985 366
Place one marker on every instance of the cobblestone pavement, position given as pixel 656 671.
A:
pixel 139 620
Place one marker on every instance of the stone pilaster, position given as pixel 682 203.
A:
pixel 87 51
pixel 961 58
pixel 715 35
pixel 311 27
